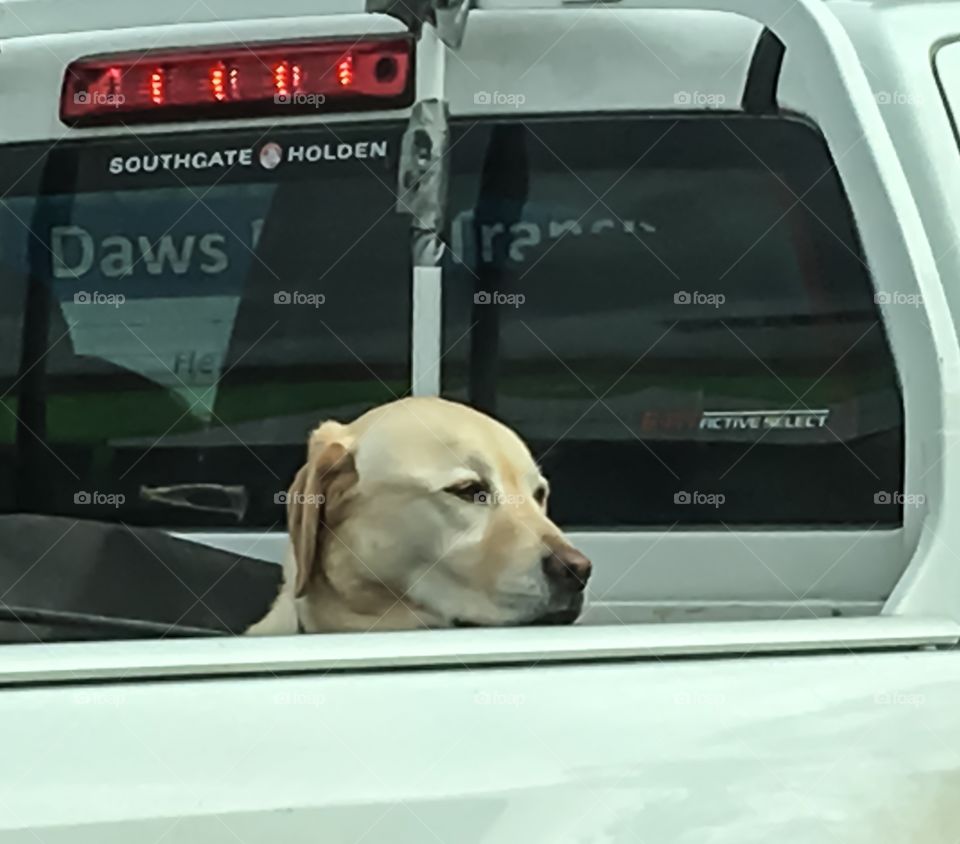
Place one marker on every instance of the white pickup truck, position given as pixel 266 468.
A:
pixel 703 259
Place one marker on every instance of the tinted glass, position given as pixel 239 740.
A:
pixel 173 320
pixel 677 315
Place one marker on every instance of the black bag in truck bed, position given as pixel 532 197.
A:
pixel 101 580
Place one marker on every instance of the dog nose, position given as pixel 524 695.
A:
pixel 567 567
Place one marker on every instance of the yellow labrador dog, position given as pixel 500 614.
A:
pixel 422 513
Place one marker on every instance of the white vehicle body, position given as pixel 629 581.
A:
pixel 801 727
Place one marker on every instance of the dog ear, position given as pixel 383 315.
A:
pixel 328 472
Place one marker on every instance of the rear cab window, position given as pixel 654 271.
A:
pixel 667 325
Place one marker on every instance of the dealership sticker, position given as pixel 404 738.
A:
pixel 763 420
pixel 269 156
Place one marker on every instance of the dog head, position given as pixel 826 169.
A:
pixel 434 507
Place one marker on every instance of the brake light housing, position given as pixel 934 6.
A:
pixel 235 81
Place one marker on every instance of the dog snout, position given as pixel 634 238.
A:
pixel 567 567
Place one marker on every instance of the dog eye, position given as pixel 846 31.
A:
pixel 540 495
pixel 476 491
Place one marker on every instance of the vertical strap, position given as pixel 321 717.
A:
pixel 422 193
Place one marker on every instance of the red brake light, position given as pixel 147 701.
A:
pixel 213 83
pixel 345 71
pixel 157 86
pixel 218 82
